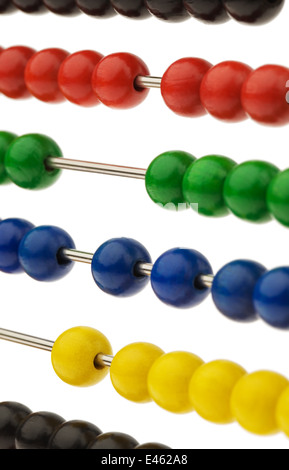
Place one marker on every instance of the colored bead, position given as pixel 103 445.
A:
pixel 74 435
pixel 245 190
pixel 114 441
pixel 169 10
pixel 210 390
pixel 62 7
pixel 131 8
pixel 114 266
pixel 40 253
pixel 263 95
pixel 254 399
pixel 113 80
pixel 220 90
pixel 36 429
pixel 152 445
pixel 41 75
pixel 73 356
pixel 209 11
pixel 11 233
pixel 253 11
pixel 174 277
pixel 101 8
pixel 203 185
pixel 233 289
pixel 11 415
pixel 271 297
pixel 25 161
pixel 169 379
pixel 282 412
pixel 74 77
pixel 180 86
pixel 28 6
pixel 6 138
pixel 129 370
pixel 278 197
pixel 164 178
pixel 13 62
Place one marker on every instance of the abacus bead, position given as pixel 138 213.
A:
pixel 254 399
pixel 101 8
pixel 209 11
pixel 129 370
pixel 114 441
pixel 233 289
pixel 220 91
pixel 74 434
pixel 152 445
pixel 62 7
pixel 28 6
pixel 6 138
pixel 278 197
pixel 245 190
pixel 41 75
pixel 35 431
pixel 282 412
pixel 13 62
pixel 174 277
pixel 4 5
pixel 203 185
pixel 11 233
pixel 114 266
pixel 169 10
pixel 271 297
pixel 264 95
pixel 180 86
pixel 25 161
pixel 11 415
pixel 210 390
pixel 131 8
pixel 73 355
pixel 113 80
pixel 74 77
pixel 164 178
pixel 169 379
pixel 39 253
pixel 253 11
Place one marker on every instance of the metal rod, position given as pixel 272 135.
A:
pixel 148 82
pixel 27 340
pixel 144 269
pixel 75 255
pixel 206 280
pixel 103 360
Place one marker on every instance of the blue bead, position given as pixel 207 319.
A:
pixel 174 277
pixel 39 253
pixel 11 233
pixel 233 288
pixel 271 297
pixel 114 266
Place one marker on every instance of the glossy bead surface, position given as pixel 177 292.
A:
pixel 168 10
pixel 73 355
pixel 254 11
pixel 28 6
pixel 233 289
pixel 152 445
pixel 210 390
pixel 169 379
pixel 164 178
pixel 278 197
pixel 6 138
pixel 174 277
pixel 74 434
pixel 209 11
pixel 113 80
pixel 100 8
pixel 282 412
pixel 40 253
pixel 114 266
pixel 271 297
pixel 254 399
pixel 35 431
pixel 13 62
pixel 11 233
pixel 25 161
pixel 131 8
pixel 41 75
pixel 62 7
pixel 220 90
pixel 129 370
pixel 114 441
pixel 11 416
pixel 245 190
pixel 203 185
pixel 180 86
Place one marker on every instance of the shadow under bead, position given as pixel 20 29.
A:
pixel 100 8
pixel 253 11
pixel 135 9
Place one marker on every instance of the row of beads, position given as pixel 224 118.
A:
pixel 215 11
pixel 230 91
pixel 241 290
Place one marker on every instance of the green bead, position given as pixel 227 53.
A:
pixel 203 185
pixel 278 197
pixel 164 179
pixel 6 138
pixel 25 161
pixel 245 190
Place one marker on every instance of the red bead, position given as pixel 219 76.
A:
pixel 12 67
pixel 41 75
pixel 264 95
pixel 221 91
pixel 74 77
pixel 113 80
pixel 180 86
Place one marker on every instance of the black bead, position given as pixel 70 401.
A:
pixel 209 11
pixel 152 445
pixel 131 8
pixel 101 8
pixel 169 10
pixel 61 7
pixel 5 5
pixel 74 435
pixel 28 6
pixel 36 430
pixel 254 11
pixel 12 415
pixel 114 440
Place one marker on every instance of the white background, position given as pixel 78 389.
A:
pixel 95 208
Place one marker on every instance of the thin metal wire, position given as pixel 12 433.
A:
pixel 148 82
pixel 75 255
pixel 27 340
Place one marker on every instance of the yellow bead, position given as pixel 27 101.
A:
pixel 129 370
pixel 210 390
pixel 282 412
pixel 169 378
pixel 254 400
pixel 73 355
